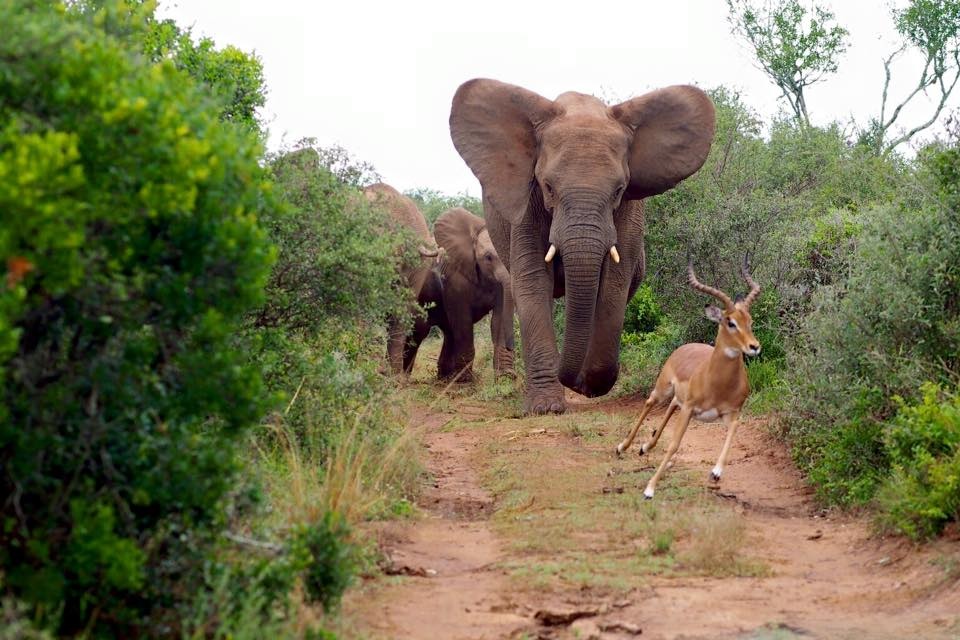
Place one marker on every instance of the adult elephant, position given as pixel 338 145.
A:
pixel 474 282
pixel 563 182
pixel 422 278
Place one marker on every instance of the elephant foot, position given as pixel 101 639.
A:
pixel 540 401
pixel 503 362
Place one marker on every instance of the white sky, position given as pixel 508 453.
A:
pixel 377 77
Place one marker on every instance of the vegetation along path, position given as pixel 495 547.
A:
pixel 532 528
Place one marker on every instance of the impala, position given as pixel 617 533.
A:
pixel 704 382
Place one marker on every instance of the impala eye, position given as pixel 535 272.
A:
pixel 731 324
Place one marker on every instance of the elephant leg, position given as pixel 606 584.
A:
pixel 457 354
pixel 532 282
pixel 421 328
pixel 396 337
pixel 501 332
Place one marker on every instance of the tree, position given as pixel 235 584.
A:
pixel 931 27
pixel 795 46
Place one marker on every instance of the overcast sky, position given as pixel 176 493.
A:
pixel 378 77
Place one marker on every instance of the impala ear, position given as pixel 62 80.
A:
pixel 672 132
pixel 493 126
pixel 713 313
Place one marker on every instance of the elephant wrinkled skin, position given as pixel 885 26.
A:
pixel 563 182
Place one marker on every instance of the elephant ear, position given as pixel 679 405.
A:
pixel 672 132
pixel 493 126
pixel 456 232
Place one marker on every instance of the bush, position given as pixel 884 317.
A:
pixel 880 332
pixel 643 312
pixel 329 570
pixel 336 259
pixel 128 224
pixel 922 494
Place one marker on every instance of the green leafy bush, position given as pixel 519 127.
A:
pixel 331 559
pixel 336 259
pixel 128 226
pixel 922 493
pixel 883 329
pixel 643 311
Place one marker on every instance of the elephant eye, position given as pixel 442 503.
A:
pixel 489 257
pixel 618 192
pixel 549 188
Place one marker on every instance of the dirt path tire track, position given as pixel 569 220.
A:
pixel 830 577
pixel 462 595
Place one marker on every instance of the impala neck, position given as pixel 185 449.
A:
pixel 726 361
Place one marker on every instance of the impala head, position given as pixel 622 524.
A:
pixel 735 332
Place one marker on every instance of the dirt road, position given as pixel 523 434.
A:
pixel 533 529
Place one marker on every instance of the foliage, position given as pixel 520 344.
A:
pixel 770 198
pixel 330 568
pixel 432 203
pixel 883 329
pixel 795 46
pixel 643 312
pixel 335 261
pixel 922 493
pixel 128 224
pixel 643 354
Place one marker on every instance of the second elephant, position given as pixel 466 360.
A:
pixel 474 282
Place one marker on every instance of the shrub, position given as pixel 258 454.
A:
pixel 643 311
pixel 922 493
pixel 128 226
pixel 331 559
pixel 335 258
pixel 883 329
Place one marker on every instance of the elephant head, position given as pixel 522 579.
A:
pixel 572 164
pixel 468 249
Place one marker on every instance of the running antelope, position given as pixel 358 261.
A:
pixel 704 382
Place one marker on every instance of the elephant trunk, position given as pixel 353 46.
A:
pixel 583 247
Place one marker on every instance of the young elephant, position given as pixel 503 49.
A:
pixel 474 283
pixel 422 278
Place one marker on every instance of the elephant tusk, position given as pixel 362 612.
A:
pixel 428 253
pixel 615 255
pixel 552 251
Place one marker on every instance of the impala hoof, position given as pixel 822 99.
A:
pixel 620 449
pixel 648 493
pixel 715 475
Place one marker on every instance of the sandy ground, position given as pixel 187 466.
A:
pixel 829 576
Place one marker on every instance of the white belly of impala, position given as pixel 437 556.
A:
pixel 708 415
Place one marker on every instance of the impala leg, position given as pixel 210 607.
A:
pixel 623 446
pixel 655 436
pixel 732 420
pixel 681 428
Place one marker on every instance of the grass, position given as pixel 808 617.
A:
pixel 573 515
pixel 359 477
